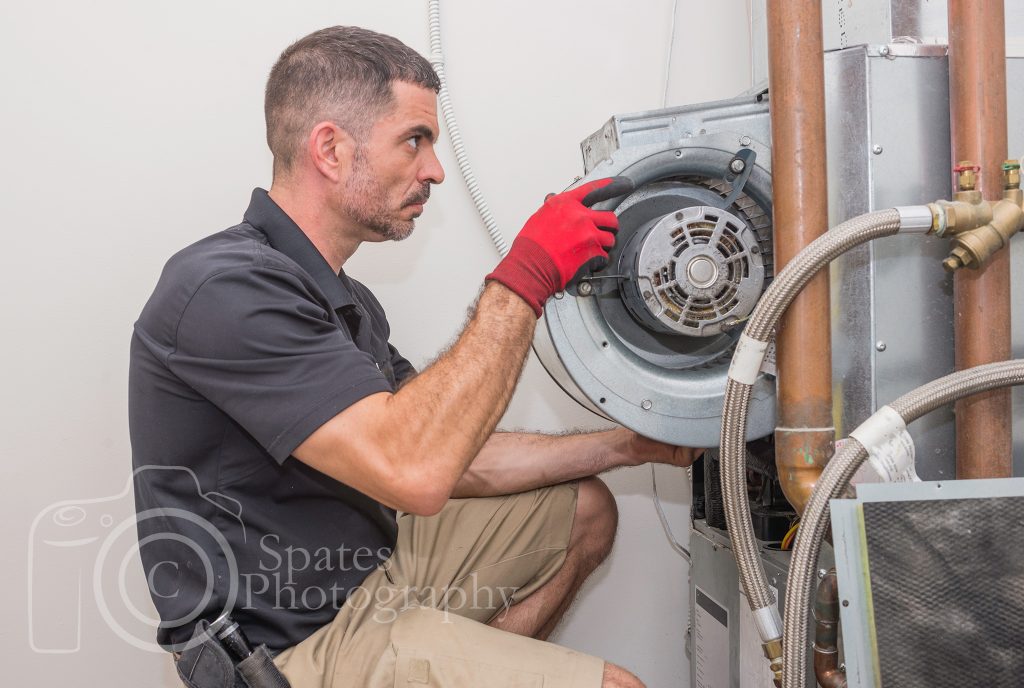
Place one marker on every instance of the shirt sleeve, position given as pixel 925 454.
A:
pixel 404 371
pixel 258 344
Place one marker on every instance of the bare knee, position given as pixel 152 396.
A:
pixel 596 520
pixel 617 677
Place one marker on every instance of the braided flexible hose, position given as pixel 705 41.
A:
pixel 448 113
pixel 773 304
pixel 836 477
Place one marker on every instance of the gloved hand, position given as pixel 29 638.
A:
pixel 559 239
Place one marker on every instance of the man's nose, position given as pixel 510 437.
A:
pixel 432 171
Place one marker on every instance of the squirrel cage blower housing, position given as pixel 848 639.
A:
pixel 646 340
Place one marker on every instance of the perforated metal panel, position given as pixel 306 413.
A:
pixel 932 581
pixel 947 585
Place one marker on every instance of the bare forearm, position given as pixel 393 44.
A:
pixel 517 462
pixel 443 416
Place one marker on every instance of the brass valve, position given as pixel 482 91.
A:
pixel 978 228
pixel 966 175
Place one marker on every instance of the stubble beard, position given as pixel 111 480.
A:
pixel 366 202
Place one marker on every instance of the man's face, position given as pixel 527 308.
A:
pixel 393 168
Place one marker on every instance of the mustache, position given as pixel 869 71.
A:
pixel 420 196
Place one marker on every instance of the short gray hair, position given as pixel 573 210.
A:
pixel 342 74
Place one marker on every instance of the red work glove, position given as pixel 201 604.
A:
pixel 559 239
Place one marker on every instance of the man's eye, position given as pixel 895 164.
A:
pixel 414 141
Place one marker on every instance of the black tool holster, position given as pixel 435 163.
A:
pixel 206 664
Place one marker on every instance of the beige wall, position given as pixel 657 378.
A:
pixel 134 128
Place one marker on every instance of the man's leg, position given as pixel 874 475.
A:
pixel 593 532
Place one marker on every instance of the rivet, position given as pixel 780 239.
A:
pixel 876 149
pixel 646 404
pixel 880 346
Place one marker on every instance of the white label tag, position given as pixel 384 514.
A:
pixel 747 360
pixel 711 642
pixel 890 449
pixel 894 460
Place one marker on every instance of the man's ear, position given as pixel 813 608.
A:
pixel 331 149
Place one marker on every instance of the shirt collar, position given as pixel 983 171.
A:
pixel 285 236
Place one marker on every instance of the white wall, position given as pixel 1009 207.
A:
pixel 134 128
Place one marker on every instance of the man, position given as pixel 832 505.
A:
pixel 263 374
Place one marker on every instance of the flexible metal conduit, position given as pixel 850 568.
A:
pixel 836 477
pixel 448 113
pixel 743 373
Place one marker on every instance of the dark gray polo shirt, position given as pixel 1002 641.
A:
pixel 249 343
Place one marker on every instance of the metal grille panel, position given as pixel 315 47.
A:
pixel 947 587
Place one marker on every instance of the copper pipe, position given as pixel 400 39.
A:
pixel 977 94
pixel 796 87
pixel 826 634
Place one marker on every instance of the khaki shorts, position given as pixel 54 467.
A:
pixel 420 619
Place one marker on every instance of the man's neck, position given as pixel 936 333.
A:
pixel 317 221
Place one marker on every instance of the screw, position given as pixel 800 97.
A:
pixel 846 603
pixel 559 294
pixel 876 149
pixel 646 404
pixel 884 51
pixel 737 166
pixel 842 666
pixel 880 346
pixel 586 289
pixel 821 573
pixel 744 141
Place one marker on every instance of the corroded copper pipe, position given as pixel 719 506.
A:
pixel 803 440
pixel 977 94
pixel 826 634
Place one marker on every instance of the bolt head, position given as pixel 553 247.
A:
pixel 745 141
pixel 585 289
pixel 884 50
pixel 737 166
pixel 559 294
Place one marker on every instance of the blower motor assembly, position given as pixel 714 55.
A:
pixel 646 341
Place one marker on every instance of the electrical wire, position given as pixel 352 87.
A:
pixel 459 148
pixel 676 545
pixel 671 45
pixel 787 540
